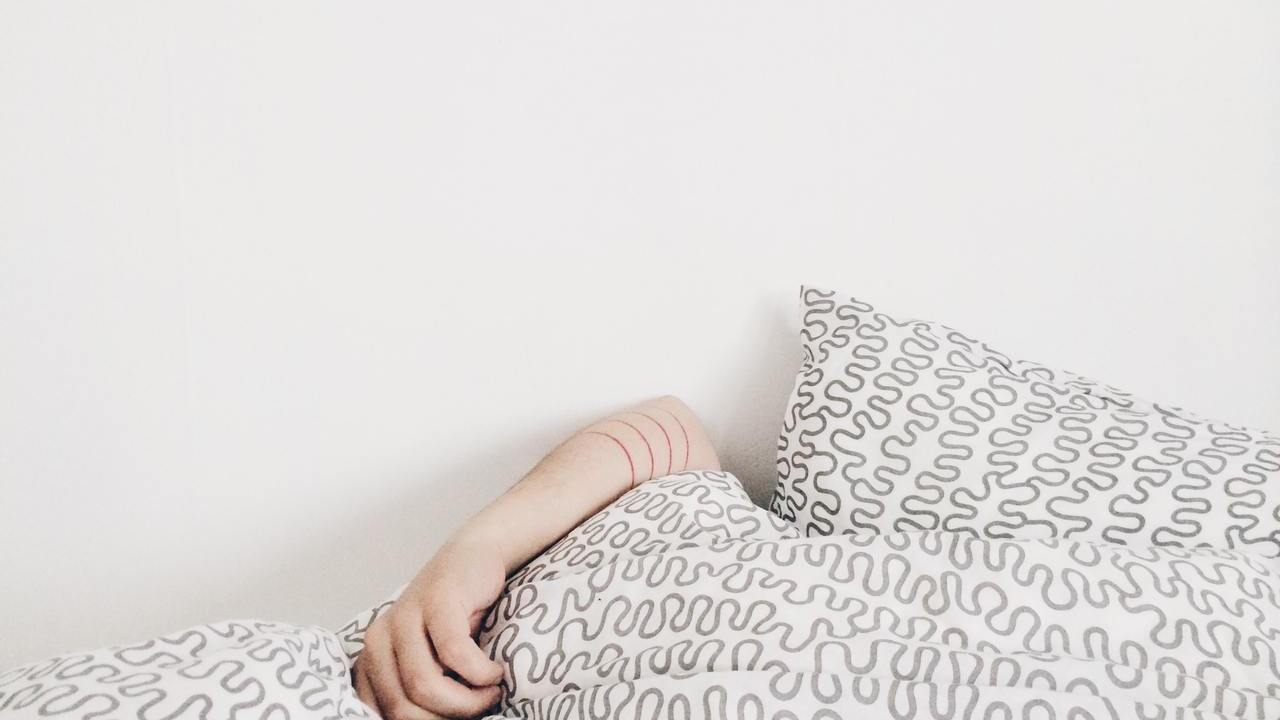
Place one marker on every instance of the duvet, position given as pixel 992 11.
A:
pixel 683 600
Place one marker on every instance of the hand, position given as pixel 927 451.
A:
pixel 421 660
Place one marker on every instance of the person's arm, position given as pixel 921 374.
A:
pixel 421 660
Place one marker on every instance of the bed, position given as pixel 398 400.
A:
pixel 956 533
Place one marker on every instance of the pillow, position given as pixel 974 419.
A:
pixel 899 425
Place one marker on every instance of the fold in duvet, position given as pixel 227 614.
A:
pixel 684 600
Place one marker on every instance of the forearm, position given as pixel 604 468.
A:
pixel 587 471
pixel 420 658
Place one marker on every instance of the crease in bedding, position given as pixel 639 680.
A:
pixel 683 600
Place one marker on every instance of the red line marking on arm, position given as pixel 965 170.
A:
pixel 664 434
pixel 682 431
pixel 642 437
pixel 626 452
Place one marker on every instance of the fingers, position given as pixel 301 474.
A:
pixel 364 690
pixel 474 621
pixel 378 662
pixel 423 679
pixel 401 676
pixel 450 631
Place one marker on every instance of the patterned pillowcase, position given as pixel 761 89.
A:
pixel 898 425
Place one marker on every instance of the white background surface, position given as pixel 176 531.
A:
pixel 289 289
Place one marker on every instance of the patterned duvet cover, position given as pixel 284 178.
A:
pixel 684 600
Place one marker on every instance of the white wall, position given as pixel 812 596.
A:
pixel 288 289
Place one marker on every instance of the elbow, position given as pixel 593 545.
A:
pixel 702 453
pixel 672 402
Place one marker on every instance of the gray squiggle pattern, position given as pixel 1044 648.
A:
pixel 232 669
pixel 900 425
pixel 683 601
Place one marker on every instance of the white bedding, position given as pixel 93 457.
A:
pixel 897 424
pixel 683 600
pixel 741 618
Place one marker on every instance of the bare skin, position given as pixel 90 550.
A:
pixel 421 660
